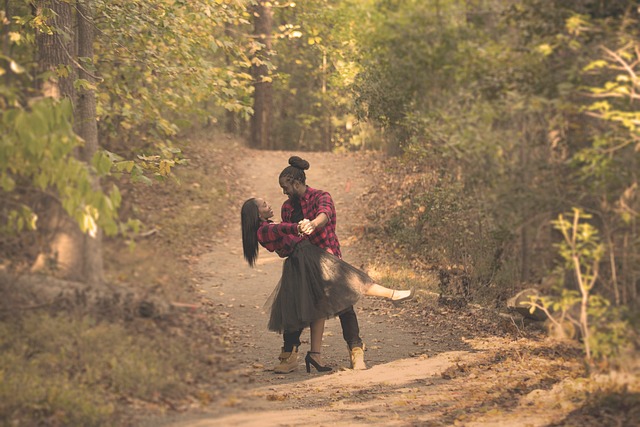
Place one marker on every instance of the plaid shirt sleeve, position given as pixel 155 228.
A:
pixel 278 238
pixel 324 204
pixel 315 203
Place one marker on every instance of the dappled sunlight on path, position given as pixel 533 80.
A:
pixel 345 397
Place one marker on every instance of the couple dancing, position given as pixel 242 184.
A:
pixel 316 284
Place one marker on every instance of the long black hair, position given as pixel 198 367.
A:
pixel 295 170
pixel 250 219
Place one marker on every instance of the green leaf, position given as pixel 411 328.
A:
pixel 7 183
pixel 126 166
pixel 102 163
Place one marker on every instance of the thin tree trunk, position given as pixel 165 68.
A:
pixel 6 45
pixel 633 283
pixel 85 115
pixel 525 255
pixel 626 269
pixel 326 125
pixel 262 98
pixel 231 118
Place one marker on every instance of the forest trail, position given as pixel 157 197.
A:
pixel 416 374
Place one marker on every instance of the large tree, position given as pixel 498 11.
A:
pixel 57 59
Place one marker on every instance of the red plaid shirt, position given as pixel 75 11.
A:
pixel 313 203
pixel 278 238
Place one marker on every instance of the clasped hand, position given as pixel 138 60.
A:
pixel 306 226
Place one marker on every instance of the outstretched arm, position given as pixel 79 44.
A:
pixel 271 232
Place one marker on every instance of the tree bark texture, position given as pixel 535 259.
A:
pixel 55 52
pixel 87 129
pixel 262 97
pixel 69 253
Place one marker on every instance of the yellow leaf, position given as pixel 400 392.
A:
pixel 16 68
pixel 89 217
pixel 33 219
pixel 165 167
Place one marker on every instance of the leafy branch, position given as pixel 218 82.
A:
pixel 582 252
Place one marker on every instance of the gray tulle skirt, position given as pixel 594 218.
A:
pixel 315 284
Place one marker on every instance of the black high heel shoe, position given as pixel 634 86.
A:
pixel 309 360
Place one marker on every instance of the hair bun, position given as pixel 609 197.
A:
pixel 299 163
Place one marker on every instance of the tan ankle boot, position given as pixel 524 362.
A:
pixel 288 361
pixel 357 358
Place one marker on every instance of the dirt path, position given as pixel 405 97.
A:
pixel 242 290
pixel 416 374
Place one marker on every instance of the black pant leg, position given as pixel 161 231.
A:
pixel 291 339
pixel 350 328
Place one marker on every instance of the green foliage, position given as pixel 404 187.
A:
pixel 404 64
pixel 36 155
pixel 158 65
pixel 611 334
pixel 528 108
pixel 315 64
pixel 608 165
pixel 604 333
pixel 163 62
pixel 581 248
pixel 430 217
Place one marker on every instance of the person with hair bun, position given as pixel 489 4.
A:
pixel 315 285
pixel 315 211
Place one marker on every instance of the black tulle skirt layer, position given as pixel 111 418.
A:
pixel 315 284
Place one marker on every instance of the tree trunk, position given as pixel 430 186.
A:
pixel 73 255
pixel 87 129
pixel 262 97
pixel 55 53
pixel 4 34
pixel 527 131
pixel 231 118
pixel 327 128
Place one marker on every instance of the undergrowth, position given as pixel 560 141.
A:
pixel 62 370
pixel 72 367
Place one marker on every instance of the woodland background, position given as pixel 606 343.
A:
pixel 512 124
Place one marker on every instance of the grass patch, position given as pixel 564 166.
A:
pixel 72 371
